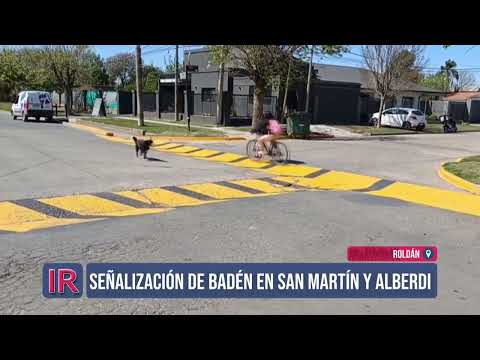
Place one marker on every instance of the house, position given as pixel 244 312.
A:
pixel 338 94
pixel 408 94
pixel 462 105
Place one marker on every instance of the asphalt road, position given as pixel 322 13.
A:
pixel 49 159
pixel 409 158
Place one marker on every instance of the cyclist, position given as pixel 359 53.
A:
pixel 267 129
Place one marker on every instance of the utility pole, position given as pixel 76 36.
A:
pixel 284 108
pixel 220 95
pixel 139 85
pixel 309 80
pixel 176 83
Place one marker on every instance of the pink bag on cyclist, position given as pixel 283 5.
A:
pixel 274 127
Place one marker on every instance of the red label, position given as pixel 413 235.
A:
pixel 392 253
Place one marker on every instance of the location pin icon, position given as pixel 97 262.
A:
pixel 428 252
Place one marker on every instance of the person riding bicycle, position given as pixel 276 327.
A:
pixel 267 129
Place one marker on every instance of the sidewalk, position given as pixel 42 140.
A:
pixel 226 130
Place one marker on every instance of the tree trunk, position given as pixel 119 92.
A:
pixel 258 102
pixel 382 105
pixel 307 102
pixel 284 108
pixel 139 78
pixel 220 95
pixel 67 102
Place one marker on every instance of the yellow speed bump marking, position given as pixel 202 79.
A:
pixel 217 191
pixel 16 214
pixel 167 146
pixel 44 224
pixel 170 198
pixel 262 186
pixel 20 219
pixel 439 198
pixel 204 153
pixel 92 205
pixel 253 164
pixel 291 170
pixel 117 139
pixel 183 149
pixel 227 157
pixel 133 195
pixel 333 180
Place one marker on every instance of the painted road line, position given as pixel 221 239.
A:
pixel 204 153
pixel 292 170
pixel 317 173
pixel 379 185
pixel 280 181
pixel 172 197
pixel 16 218
pixel 96 206
pixel 134 195
pixel 252 164
pixel 192 151
pixel 129 201
pixel 263 186
pixel 239 187
pixel 334 180
pixel 225 157
pixel 167 146
pixel 438 198
pixel 47 209
pixel 183 149
pixel 217 191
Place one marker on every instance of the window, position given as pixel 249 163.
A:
pixel 417 112
pixel 407 101
pixel 389 112
pixel 402 112
pixel 208 94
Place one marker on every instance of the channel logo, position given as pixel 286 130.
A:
pixel 61 280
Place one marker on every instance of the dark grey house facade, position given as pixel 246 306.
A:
pixel 338 94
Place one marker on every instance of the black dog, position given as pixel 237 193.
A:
pixel 143 146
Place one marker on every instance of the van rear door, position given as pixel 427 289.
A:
pixel 45 101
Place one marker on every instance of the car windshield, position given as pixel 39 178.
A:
pixel 417 112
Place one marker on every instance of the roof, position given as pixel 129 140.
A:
pixel 362 76
pixel 462 95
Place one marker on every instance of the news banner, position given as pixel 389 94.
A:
pixel 371 272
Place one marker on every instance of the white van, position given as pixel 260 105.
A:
pixel 34 104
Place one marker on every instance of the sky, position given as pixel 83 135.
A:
pixel 466 56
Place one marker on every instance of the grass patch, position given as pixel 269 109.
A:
pixel 435 128
pixel 5 106
pixel 160 129
pixel 468 169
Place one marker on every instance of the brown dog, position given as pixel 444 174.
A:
pixel 143 146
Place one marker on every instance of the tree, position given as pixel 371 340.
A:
pixel 265 65
pixel 220 55
pixel 437 81
pixel 121 67
pixel 66 65
pixel 450 72
pixel 151 77
pixel 95 71
pixel 466 82
pixel 169 65
pixel 389 67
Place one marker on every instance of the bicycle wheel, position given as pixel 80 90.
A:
pixel 279 153
pixel 252 149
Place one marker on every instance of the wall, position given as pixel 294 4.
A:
pixel 206 80
pixel 335 102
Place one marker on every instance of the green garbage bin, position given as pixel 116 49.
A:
pixel 298 124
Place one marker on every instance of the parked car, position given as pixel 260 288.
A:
pixel 407 118
pixel 35 104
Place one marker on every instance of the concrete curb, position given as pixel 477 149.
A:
pixel 458 181
pixel 112 130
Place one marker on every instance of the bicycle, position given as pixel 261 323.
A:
pixel 276 150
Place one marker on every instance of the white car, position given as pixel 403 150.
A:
pixel 35 104
pixel 407 118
